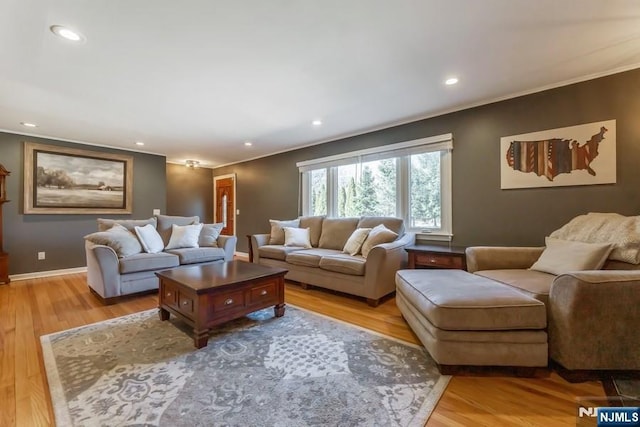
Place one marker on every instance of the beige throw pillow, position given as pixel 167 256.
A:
pixel 378 235
pixel 561 256
pixel 298 237
pixel 277 232
pixel 355 241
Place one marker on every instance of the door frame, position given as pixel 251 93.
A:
pixel 215 199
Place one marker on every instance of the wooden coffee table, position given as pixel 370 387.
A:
pixel 204 296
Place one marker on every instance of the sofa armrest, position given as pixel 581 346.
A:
pixel 228 243
pixel 593 318
pixel 257 240
pixel 501 257
pixel 103 270
pixel 382 263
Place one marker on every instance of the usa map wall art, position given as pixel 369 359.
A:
pixel 574 155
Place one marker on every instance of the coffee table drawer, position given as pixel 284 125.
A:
pixel 170 295
pixel 228 301
pixel 185 305
pixel 262 293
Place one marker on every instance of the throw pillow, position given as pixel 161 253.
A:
pixel 121 240
pixel 378 235
pixel 561 256
pixel 104 223
pixel 209 234
pixel 184 236
pixel 355 241
pixel 277 232
pixel 150 239
pixel 166 222
pixel 298 237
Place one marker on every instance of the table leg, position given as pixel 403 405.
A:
pixel 164 314
pixel 279 310
pixel 200 338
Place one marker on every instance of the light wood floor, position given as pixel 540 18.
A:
pixel 31 308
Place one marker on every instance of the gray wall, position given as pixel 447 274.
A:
pixel 190 192
pixel 61 236
pixel 483 214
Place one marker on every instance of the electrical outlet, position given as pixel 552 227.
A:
pixel 156 211
pixel 41 256
pixel 237 211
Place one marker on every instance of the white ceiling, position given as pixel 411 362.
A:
pixel 196 79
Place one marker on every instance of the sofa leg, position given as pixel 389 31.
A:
pixel 304 286
pixel 493 371
pixel 373 302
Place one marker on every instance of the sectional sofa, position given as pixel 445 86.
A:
pixel 325 263
pixel 118 263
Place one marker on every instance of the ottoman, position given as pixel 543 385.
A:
pixel 465 319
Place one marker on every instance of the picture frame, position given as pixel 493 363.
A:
pixel 62 180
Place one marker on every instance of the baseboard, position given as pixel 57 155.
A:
pixel 50 273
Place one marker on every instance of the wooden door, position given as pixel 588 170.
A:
pixel 225 209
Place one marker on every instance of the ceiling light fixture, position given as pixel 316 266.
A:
pixel 316 122
pixel 192 163
pixel 66 33
pixel 140 143
pixel 451 81
pixel 248 144
pixel 29 125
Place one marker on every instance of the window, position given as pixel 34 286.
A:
pixel 410 180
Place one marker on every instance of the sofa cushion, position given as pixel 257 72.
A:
pixel 343 263
pixel 149 239
pixel 562 256
pixel 314 224
pixel 196 255
pixel 336 231
pixel 309 257
pixel 277 230
pixel 457 300
pixel 184 236
pixel 533 283
pixel 121 240
pixel 209 234
pixel 104 224
pixel 276 251
pixel 394 224
pixel 147 262
pixel 378 235
pixel 355 241
pixel 165 224
pixel 297 237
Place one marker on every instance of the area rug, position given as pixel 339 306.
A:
pixel 302 369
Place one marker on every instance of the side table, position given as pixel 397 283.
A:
pixel 434 256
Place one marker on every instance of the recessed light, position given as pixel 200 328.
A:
pixel 248 144
pixel 140 143
pixel 316 122
pixel 451 81
pixel 66 33
pixel 29 125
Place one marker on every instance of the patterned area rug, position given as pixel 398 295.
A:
pixel 298 370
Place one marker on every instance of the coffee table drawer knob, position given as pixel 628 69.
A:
pixel 185 302
pixel 264 292
pixel 168 294
pixel 228 301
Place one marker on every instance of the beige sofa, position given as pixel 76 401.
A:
pixel 325 265
pixel 111 276
pixel 592 315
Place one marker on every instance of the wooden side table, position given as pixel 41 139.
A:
pixel 434 256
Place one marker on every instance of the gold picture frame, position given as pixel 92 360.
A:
pixel 61 180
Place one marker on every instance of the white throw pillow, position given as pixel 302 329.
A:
pixel 149 239
pixel 355 241
pixel 209 234
pixel 277 230
pixel 378 234
pixel 561 256
pixel 184 236
pixel 298 237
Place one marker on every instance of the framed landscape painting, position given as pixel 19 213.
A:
pixel 60 180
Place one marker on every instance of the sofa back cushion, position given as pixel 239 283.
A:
pixel 165 225
pixel 130 224
pixel 336 232
pixel 314 224
pixel 394 224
